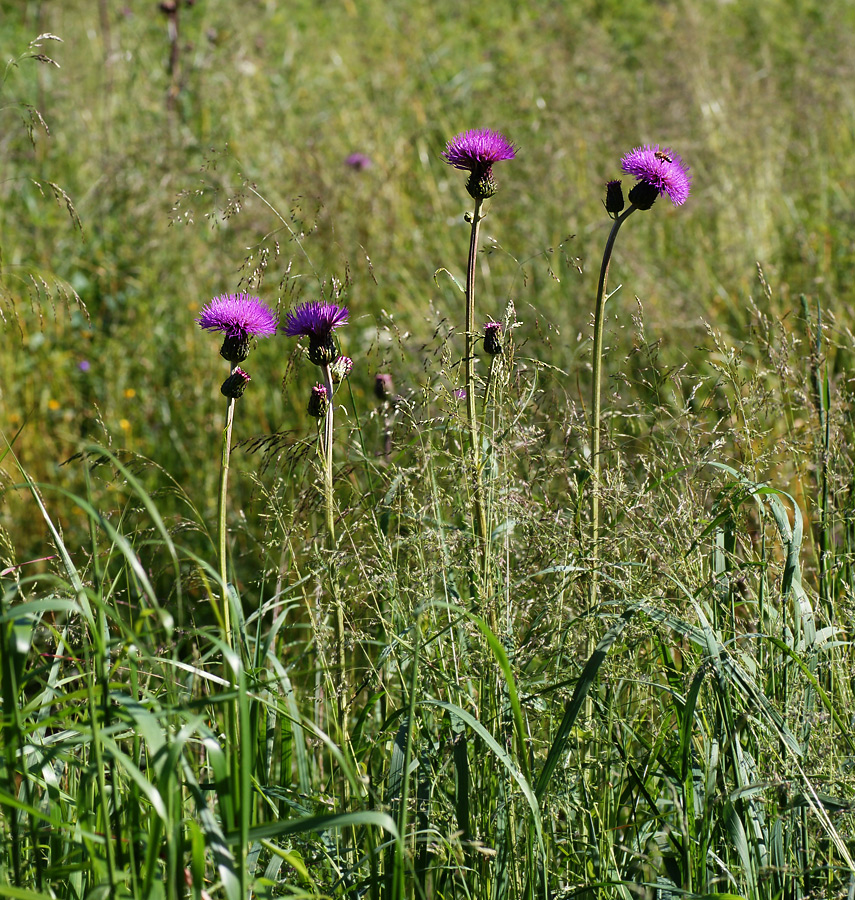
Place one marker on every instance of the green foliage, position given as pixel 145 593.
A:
pixel 492 734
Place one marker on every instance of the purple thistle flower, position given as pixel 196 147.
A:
pixel 317 320
pixel 663 170
pixel 475 151
pixel 240 317
pixel 478 148
pixel 359 161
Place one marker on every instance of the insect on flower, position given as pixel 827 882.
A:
pixel 663 156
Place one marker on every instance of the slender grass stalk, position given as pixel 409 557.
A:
pixel 399 881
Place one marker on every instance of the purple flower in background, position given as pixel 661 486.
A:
pixel 240 317
pixel 84 365
pixel 317 321
pixel 384 386
pixel 663 170
pixel 359 161
pixel 475 151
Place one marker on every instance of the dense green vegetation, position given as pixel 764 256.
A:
pixel 402 709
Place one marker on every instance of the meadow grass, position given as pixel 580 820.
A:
pixel 393 681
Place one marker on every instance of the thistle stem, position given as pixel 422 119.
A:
pixel 596 405
pixel 221 516
pixel 326 450
pixel 471 414
pixel 342 690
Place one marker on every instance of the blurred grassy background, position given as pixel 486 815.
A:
pixel 157 162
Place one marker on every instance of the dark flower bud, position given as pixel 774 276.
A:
pixel 643 194
pixel 493 338
pixel 384 387
pixel 322 351
pixel 614 198
pixel 318 402
pixel 235 384
pixel 235 348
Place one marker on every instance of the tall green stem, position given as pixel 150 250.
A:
pixel 342 689
pixel 481 536
pixel 326 451
pixel 596 404
pixel 221 516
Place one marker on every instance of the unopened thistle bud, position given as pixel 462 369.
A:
pixel 235 384
pixel 384 387
pixel 614 198
pixel 341 368
pixel 493 338
pixel 318 402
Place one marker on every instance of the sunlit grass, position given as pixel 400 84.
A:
pixel 688 734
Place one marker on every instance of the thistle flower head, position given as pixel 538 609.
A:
pixel 317 320
pixel 475 151
pixel 239 317
pixel 663 170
